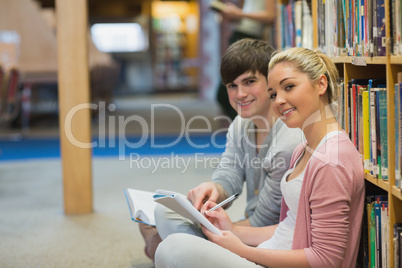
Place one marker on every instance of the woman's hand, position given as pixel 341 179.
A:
pixel 227 240
pixel 218 217
pixel 232 12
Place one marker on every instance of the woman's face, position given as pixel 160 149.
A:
pixel 295 97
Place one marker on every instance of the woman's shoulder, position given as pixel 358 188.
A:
pixel 339 153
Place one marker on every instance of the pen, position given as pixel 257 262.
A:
pixel 224 202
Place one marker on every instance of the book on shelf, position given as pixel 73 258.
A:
pixel 142 205
pixel 396 26
pixel 379 238
pixel 398 127
pixel 381 42
pixel 298 10
pixel 382 101
pixel 377 215
pixel 384 234
pixel 371 257
pixel 358 27
pixel 397 241
pixel 366 131
pixel 356 87
pixel 341 104
pixel 371 231
pixel 295 25
pixel 307 26
pixel 363 253
pixel 373 85
pixel 396 122
pixel 378 132
pixel 360 130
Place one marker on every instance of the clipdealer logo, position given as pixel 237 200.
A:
pixel 117 126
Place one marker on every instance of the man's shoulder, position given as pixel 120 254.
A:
pixel 290 135
pixel 241 124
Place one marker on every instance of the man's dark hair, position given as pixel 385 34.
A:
pixel 245 55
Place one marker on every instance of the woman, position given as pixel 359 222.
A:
pixel 323 191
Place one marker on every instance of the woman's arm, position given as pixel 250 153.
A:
pixel 265 16
pixel 248 235
pixel 265 257
pixel 254 236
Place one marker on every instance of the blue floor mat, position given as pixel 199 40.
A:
pixel 33 148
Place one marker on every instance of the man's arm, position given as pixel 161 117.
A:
pixel 206 191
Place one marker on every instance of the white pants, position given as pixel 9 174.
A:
pixel 185 250
pixel 169 222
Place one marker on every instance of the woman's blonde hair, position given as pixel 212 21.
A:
pixel 313 63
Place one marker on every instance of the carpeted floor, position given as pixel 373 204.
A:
pixel 34 231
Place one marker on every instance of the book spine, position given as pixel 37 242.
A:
pixel 362 28
pixel 356 18
pixel 372 237
pixel 366 131
pixel 384 230
pixel 400 26
pixel 377 212
pixel 382 100
pixel 381 43
pixel 397 128
pixel 366 28
pixel 373 131
pixel 341 103
pixel 378 134
pixel 369 19
pixel 307 26
pixel 395 47
pixel 360 130
pixel 398 173
pixel 397 245
pixel 298 23
pixel 374 48
pixel 354 115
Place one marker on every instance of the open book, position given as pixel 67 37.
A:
pixel 142 206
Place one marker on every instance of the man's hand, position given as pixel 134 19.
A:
pixel 207 191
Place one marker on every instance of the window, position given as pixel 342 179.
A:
pixel 119 37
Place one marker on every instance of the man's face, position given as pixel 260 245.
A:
pixel 248 95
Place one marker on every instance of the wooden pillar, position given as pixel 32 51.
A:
pixel 74 101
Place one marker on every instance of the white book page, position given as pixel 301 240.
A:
pixel 181 205
pixel 142 205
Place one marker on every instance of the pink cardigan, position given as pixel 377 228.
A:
pixel 331 204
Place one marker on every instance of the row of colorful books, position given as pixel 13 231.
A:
pixel 363 112
pixel 345 27
pixel 357 27
pixel 296 25
pixel 374 241
pixel 374 248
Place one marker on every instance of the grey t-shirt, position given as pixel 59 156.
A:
pixel 261 172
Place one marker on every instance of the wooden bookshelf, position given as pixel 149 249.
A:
pixel 383 184
pixel 363 67
pixel 397 192
pixel 396 60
